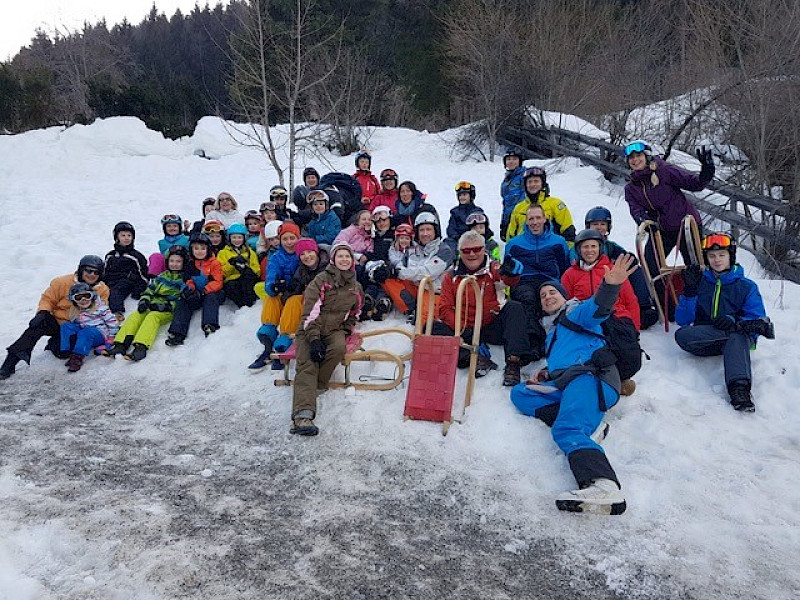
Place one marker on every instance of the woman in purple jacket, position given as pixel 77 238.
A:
pixel 653 192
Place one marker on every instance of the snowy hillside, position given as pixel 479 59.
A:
pixel 176 476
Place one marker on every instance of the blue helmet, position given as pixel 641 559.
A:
pixel 598 213
pixel 237 228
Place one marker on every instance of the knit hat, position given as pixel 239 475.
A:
pixel 288 227
pixel 305 245
pixel 556 284
pixel 343 246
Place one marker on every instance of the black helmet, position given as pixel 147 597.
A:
pixel 80 288
pixel 598 213
pixel 465 186
pixel 310 171
pixel 585 236
pixel 91 261
pixel 366 155
pixel 123 226
pixel 208 202
pixel 511 152
pixel 177 251
pixel 200 238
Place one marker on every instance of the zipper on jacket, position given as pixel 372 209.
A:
pixel 715 299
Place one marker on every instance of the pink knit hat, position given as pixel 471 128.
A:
pixel 305 245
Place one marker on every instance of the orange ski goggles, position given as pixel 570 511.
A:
pixel 717 241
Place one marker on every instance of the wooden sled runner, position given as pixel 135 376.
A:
pixel 691 234
pixel 435 358
pixel 354 352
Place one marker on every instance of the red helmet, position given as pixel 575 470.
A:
pixel 404 229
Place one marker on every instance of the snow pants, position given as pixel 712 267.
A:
pixel 184 308
pixel 707 340
pixel 80 340
pixel 42 324
pixel 527 292
pixel 578 414
pixel 240 290
pixel 312 376
pixel 142 328
pixel 395 288
pixel 120 291
pixel 507 330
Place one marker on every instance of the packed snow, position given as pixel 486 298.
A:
pixel 176 476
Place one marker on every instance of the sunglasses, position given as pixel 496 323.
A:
pixel 717 241
pixel 83 296
pixel 473 250
pixel 91 271
pixel 634 147
pixel 221 198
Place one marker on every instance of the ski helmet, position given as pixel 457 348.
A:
pixel 310 171
pixel 271 229
pixel 253 215
pixel 379 210
pixel 598 213
pixel 389 175
pixel 200 238
pixel 79 289
pixel 427 218
pixel 404 229
pixel 637 146
pixel 586 235
pixel 90 261
pixel 213 226
pixel 237 228
pixel 509 153
pixel 177 251
pixel 535 172
pixel 364 154
pixel 170 219
pixel 123 226
pixel 277 191
pixel 719 241
pixel 208 202
pixel 465 186
pixel 316 196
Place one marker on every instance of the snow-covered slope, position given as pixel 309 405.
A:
pixel 177 477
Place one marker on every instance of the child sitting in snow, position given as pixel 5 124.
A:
pixel 91 325
pixel 154 310
pixel 216 235
pixel 324 225
pixel 331 305
pixel 125 270
pixel 171 225
pixel 254 223
pixel 240 267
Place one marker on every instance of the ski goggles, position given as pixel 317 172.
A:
pixel 472 250
pixel 317 196
pixel 381 216
pixel 266 206
pixel 476 218
pixel 717 241
pixel 463 186
pixel 534 172
pixel 171 219
pixel 279 193
pixel 634 147
pixel 83 296
pixel 212 228
pixel 388 174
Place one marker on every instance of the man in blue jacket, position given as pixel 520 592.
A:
pixel 579 385
pixel 512 189
pixel 721 312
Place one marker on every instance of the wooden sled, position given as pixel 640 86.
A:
pixel 691 233
pixel 354 352
pixel 434 362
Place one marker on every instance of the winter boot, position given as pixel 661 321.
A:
pixel 138 353
pixel 483 366
pixel 74 363
pixel 209 329
pixel 741 400
pixel 260 362
pixel 382 308
pixel 119 347
pixel 120 317
pixel 603 497
pixel 627 388
pixel 175 339
pixel 599 434
pixel 303 424
pixel 54 347
pixel 648 316
pixel 277 365
pixel 511 374
pixel 368 308
pixel 9 366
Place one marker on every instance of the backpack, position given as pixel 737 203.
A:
pixel 344 190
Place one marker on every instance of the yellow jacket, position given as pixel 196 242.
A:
pixel 228 270
pixel 555 211
pixel 55 299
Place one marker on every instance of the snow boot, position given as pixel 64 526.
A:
pixel 138 353
pixel 54 347
pixel 9 366
pixel 119 347
pixel 603 497
pixel 483 366
pixel 627 388
pixel 741 400
pixel 303 424
pixel 511 374
pixel 209 329
pixel 382 308
pixel 260 362
pixel 277 365
pixel 648 317
pixel 120 317
pixel 74 363
pixel 175 339
pixel 368 308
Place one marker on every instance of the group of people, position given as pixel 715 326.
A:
pixel 573 298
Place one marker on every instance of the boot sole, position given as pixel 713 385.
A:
pixel 593 508
pixel 305 431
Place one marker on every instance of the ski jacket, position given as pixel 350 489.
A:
pixel 512 190
pixel 399 258
pixel 126 263
pixel 385 198
pixel 730 293
pixel 55 299
pixel 165 289
pixel 582 284
pixel 282 266
pixel 489 280
pixel 168 241
pixel 304 275
pixel 252 240
pixel 324 228
pixel 210 269
pixel 369 185
pixel 543 256
pixel 431 260
pixel 331 302
pixel 358 239
pixel 230 272
pixel 299 194
pixel 226 217
pixel 458 219
pixel 99 316
pixel 555 211
pixel 381 243
pixel 664 203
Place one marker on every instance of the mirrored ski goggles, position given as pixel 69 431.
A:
pixel 717 241
pixel 278 194
pixel 266 206
pixel 212 228
pixel 475 218
pixel 170 219
pixel 83 296
pixel 634 147
pixel 463 186
pixel 472 250
pixel 534 172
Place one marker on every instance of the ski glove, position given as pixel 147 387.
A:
pixel 707 168
pixel 143 306
pixel 724 323
pixel 161 307
pixel 762 326
pixel 380 274
pixel 200 282
pixel 511 267
pixel 317 351
pixel 238 263
pixel 692 276
pixel 278 287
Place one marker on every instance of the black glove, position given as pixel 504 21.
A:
pixel 160 307
pixel 317 351
pixel 724 323
pixel 380 274
pixel 278 287
pixel 707 168
pixel 762 326
pixel 143 306
pixel 238 263
pixel 511 267
pixel 692 276
pixel 503 229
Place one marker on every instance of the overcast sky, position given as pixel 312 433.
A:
pixel 19 19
